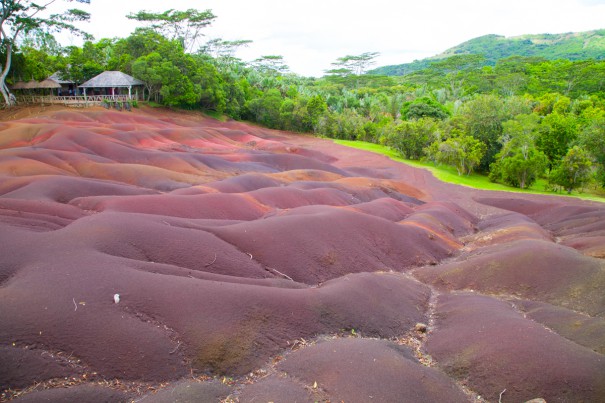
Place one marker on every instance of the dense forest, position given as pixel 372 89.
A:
pixel 518 120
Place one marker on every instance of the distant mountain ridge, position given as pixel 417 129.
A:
pixel 571 46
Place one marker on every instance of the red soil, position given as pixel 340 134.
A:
pixel 231 245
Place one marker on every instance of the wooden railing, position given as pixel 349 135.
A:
pixel 74 100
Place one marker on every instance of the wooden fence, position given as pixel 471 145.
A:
pixel 77 100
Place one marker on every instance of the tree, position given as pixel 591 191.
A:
pixel 141 42
pixel 557 132
pixel 410 139
pixel 521 169
pixel 357 64
pixel 184 26
pixel 519 163
pixel 222 49
pixel 316 108
pixel 457 64
pixel 424 107
pixel 462 152
pixel 271 64
pixel 483 118
pixel 80 64
pixel 222 54
pixel 33 63
pixel 266 109
pixel 573 171
pixel 519 134
pixel 22 17
pixel 592 139
pixel 146 68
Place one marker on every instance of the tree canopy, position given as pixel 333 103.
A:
pixel 24 17
pixel 184 26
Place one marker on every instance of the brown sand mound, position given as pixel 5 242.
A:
pixel 229 245
pixel 63 189
pixel 589 245
pixel 191 392
pixel 20 368
pixel 277 389
pixel 362 194
pixel 582 329
pixel 387 208
pixel 516 204
pixel 507 227
pixel 487 343
pixel 81 393
pixel 308 246
pixel 290 197
pixel 210 206
pixel 532 269
pixel 362 370
pixel 579 226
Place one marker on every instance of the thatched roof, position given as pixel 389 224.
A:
pixel 56 77
pixel 19 85
pixel 48 83
pixel 31 84
pixel 109 79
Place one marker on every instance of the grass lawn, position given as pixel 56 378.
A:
pixel 477 181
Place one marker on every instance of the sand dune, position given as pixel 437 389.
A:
pixel 257 265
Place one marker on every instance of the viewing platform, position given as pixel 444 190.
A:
pixel 79 101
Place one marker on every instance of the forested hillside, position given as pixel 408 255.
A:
pixel 518 120
pixel 569 46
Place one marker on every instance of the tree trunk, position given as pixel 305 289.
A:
pixel 3 88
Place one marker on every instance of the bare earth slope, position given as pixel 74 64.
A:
pixel 256 265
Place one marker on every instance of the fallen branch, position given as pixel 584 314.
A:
pixel 249 254
pixel 500 398
pixel 75 305
pixel 211 262
pixel 280 273
pixel 177 347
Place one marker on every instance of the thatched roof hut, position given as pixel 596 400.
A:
pixel 30 85
pixel 19 85
pixel 112 79
pixel 48 83
pixel 56 77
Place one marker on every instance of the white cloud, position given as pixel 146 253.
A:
pixel 312 34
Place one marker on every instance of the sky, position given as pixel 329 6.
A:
pixel 312 34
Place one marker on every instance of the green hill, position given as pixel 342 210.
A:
pixel 571 46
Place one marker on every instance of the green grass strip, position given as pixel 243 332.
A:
pixel 448 174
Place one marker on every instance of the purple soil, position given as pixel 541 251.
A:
pixel 82 393
pixel 579 226
pixel 507 227
pixel 582 329
pixel 309 246
pixel 227 243
pixel 363 370
pixel 277 389
pixel 20 367
pixel 190 392
pixel 532 269
pixel 491 346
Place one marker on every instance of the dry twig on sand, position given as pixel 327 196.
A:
pixel 211 263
